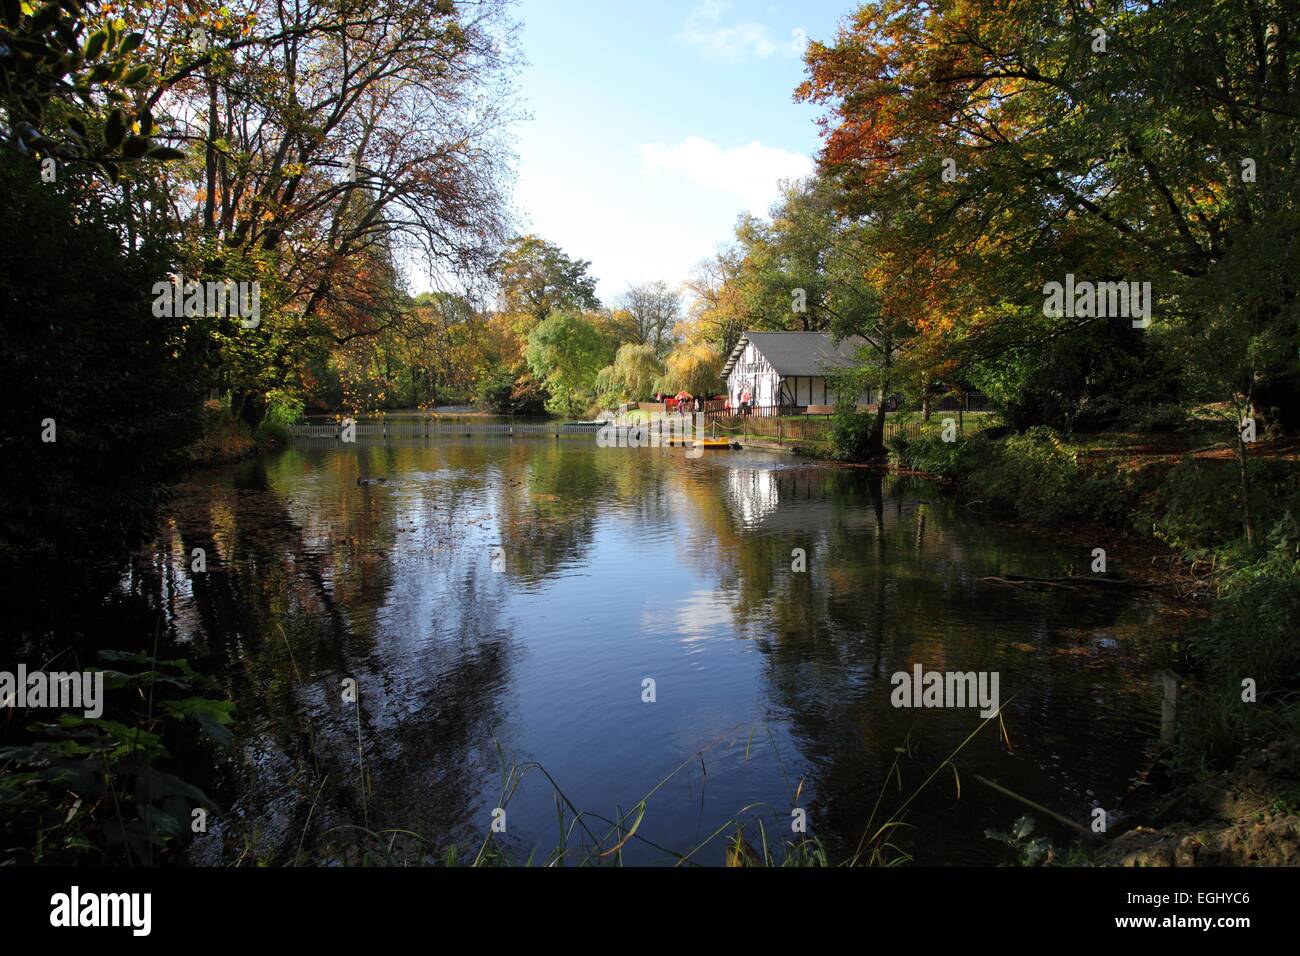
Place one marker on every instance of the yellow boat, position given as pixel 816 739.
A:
pixel 703 442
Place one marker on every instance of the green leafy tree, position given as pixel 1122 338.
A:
pixel 536 278
pixel 633 375
pixel 103 394
pixel 67 90
pixel 495 387
pixel 566 351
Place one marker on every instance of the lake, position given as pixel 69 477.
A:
pixel 503 605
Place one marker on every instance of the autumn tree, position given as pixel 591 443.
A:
pixel 331 143
pixel 1005 145
pixel 648 315
pixel 535 278
pixel 697 368
pixel 1019 142
pixel 717 313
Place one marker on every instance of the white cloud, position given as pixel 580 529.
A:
pixel 737 41
pixel 751 172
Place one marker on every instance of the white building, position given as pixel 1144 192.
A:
pixel 788 369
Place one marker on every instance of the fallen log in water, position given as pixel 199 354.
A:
pixel 1073 825
pixel 1031 584
pixel 1070 582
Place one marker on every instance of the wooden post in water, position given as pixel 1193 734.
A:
pixel 1168 706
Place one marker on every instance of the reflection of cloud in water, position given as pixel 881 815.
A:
pixel 753 492
pixel 700 615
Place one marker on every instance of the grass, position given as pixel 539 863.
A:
pixel 585 838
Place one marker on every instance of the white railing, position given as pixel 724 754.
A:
pixel 429 427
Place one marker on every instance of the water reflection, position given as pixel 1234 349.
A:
pixel 499 597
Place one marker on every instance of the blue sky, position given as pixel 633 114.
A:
pixel 654 125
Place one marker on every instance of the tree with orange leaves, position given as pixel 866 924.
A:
pixel 1002 145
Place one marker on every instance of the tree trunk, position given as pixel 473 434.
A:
pixel 210 158
pixel 876 444
pixel 1247 518
pixel 249 407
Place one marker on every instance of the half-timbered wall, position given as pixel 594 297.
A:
pixel 766 387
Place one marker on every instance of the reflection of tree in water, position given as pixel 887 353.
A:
pixel 312 578
pixel 892 576
pixel 552 497
pixel 369 584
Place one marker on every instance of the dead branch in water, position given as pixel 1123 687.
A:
pixel 1077 827
pixel 1070 582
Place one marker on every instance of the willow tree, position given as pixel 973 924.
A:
pixel 632 376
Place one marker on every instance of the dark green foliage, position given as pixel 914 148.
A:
pixel 501 393
pixel 928 453
pixel 1252 634
pixel 1033 476
pixel 48 69
pixel 495 387
pixel 1096 377
pixel 120 384
pixel 1197 506
pixel 1160 418
pixel 851 433
pixel 97 789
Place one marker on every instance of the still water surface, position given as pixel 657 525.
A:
pixel 502 602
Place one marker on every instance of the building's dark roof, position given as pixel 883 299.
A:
pixel 798 353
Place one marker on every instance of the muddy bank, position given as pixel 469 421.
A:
pixel 1248 817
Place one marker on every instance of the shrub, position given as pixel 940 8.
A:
pixel 99 789
pixel 1161 418
pixel 929 453
pixel 283 409
pixel 1032 475
pixel 1257 614
pixel 1252 633
pixel 222 437
pixel 1198 503
pixel 851 433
